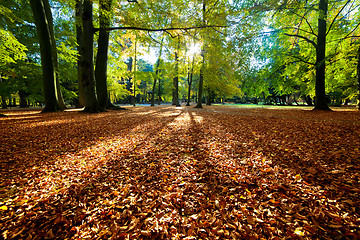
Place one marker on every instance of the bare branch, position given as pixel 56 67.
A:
pixel 300 59
pixel 333 21
pixel 303 17
pixel 302 37
pixel 160 29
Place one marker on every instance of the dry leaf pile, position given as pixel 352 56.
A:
pixel 180 173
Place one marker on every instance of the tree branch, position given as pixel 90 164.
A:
pixel 159 29
pixel 300 59
pixel 302 37
pixel 333 21
pixel 303 17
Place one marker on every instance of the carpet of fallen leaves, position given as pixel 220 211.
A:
pixel 180 173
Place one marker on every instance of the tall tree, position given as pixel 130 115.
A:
pixel 175 96
pixel 358 76
pixel 190 80
pixel 202 68
pixel 156 78
pixel 54 52
pixel 87 64
pixel 320 95
pixel 79 36
pixel 102 53
pixel 47 58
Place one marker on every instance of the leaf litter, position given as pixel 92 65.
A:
pixel 171 173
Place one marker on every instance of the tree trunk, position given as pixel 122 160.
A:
pixel 3 103
pixel 358 77
pixel 23 102
pixel 134 75
pixel 54 52
pixel 190 79
pixel 208 97
pixel 79 34
pixel 201 81
pixel 87 75
pixel 321 100
pixel 47 63
pixel 175 100
pixel 157 71
pixel 159 92
pixel 202 69
pixel 102 54
pixel 155 79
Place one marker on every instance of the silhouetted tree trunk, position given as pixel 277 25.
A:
pixel 3 103
pixel 155 79
pixel 47 62
pixel 175 99
pixel 23 102
pixel 202 69
pixel 134 75
pixel 190 79
pixel 79 34
pixel 159 92
pixel 87 63
pixel 201 82
pixel 321 100
pixel 157 71
pixel 208 97
pixel 102 54
pixel 358 76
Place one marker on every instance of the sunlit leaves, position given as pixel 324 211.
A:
pixel 11 49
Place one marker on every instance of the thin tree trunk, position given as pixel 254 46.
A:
pixel 102 54
pixel 3 103
pixel 175 100
pixel 155 80
pixel 321 100
pixel 202 69
pixel 157 71
pixel 87 76
pixel 79 34
pixel 201 84
pixel 190 79
pixel 159 92
pixel 134 75
pixel 358 76
pixel 47 63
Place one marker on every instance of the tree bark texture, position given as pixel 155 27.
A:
pixel 87 54
pixel 47 63
pixel 321 100
pixel 202 69
pixel 102 54
pixel 79 34
pixel 175 100
pixel 54 52
pixel 358 76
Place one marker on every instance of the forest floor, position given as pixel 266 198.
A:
pixel 180 173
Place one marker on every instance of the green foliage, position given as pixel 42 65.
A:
pixel 11 49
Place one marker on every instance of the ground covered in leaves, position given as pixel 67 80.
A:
pixel 180 173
